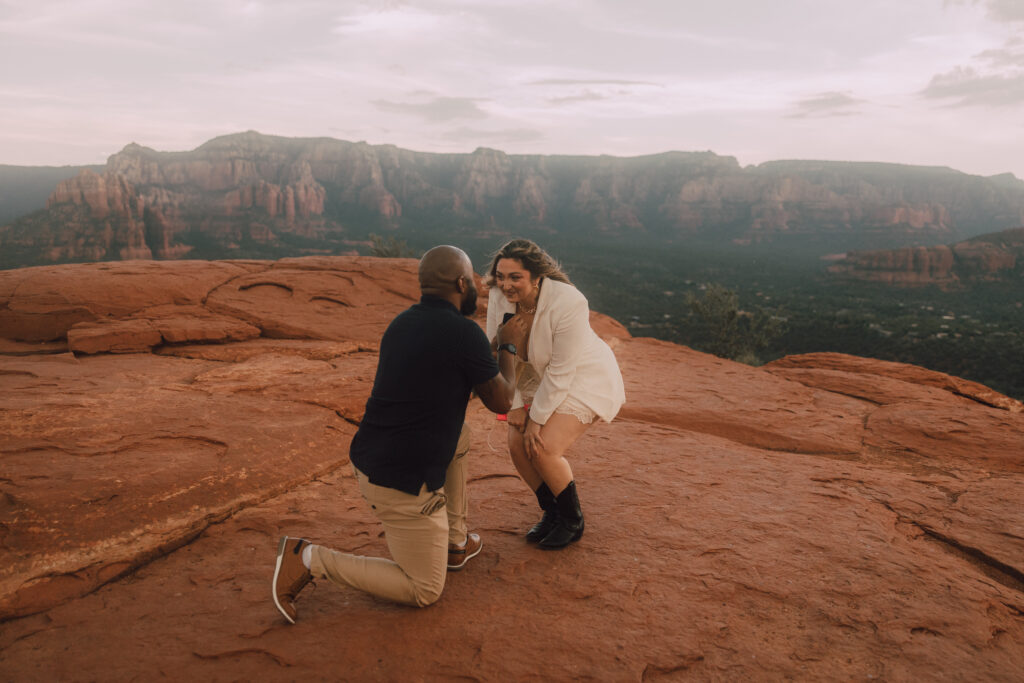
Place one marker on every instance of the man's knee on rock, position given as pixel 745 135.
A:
pixel 428 595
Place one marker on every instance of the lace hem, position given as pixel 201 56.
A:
pixel 582 413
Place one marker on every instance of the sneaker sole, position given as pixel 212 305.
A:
pixel 467 558
pixel 277 570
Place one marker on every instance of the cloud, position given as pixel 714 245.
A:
pixel 1000 10
pixel 508 135
pixel 1006 10
pixel 1001 59
pixel 827 104
pixel 437 110
pixel 598 88
pixel 392 19
pixel 992 77
pixel 588 96
pixel 969 87
pixel 586 81
pixel 1011 55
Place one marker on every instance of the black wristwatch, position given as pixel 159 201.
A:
pixel 511 348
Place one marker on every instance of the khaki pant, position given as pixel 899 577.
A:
pixel 418 530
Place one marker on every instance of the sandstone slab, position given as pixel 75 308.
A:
pixel 313 349
pixel 703 559
pixel 824 517
pixel 130 459
pixel 337 298
pixel 893 379
pixel 677 386
pixel 168 324
pixel 43 303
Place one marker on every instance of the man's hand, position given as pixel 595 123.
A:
pixel 517 419
pixel 531 439
pixel 497 393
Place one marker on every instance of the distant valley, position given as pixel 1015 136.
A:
pixel 24 189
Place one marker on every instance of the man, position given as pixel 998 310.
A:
pixel 408 452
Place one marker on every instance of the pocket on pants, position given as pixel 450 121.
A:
pixel 436 501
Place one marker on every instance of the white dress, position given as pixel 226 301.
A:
pixel 567 358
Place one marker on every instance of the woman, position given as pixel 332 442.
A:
pixel 567 377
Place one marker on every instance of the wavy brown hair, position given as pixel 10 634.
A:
pixel 538 262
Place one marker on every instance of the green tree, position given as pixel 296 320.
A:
pixel 734 333
pixel 390 247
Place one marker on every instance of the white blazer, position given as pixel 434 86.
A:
pixel 565 352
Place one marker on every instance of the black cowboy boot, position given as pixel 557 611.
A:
pixel 569 526
pixel 546 499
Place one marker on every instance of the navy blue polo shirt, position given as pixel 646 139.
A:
pixel 431 356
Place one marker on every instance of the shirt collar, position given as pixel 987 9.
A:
pixel 437 302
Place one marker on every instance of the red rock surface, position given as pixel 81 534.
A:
pixel 823 517
pixel 43 303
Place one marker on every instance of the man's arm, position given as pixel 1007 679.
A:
pixel 498 392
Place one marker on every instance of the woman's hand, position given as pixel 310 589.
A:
pixel 517 419
pixel 513 332
pixel 532 440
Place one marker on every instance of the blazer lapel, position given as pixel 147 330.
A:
pixel 540 334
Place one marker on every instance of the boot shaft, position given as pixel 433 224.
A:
pixel 545 498
pixel 568 503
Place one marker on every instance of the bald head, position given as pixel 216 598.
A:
pixel 447 272
pixel 441 267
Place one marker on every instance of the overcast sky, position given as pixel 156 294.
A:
pixel 935 82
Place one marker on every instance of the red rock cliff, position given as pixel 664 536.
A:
pixel 240 190
pixel 990 257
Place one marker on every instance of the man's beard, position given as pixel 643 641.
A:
pixel 469 300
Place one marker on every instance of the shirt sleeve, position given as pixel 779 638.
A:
pixel 569 338
pixel 478 362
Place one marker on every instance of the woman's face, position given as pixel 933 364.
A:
pixel 514 280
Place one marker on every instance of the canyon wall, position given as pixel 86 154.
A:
pixel 253 195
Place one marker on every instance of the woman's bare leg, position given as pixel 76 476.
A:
pixel 524 466
pixel 558 434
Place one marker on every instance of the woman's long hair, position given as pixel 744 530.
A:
pixel 538 262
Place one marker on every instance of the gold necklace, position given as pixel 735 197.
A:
pixel 530 311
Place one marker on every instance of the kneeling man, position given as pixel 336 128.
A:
pixel 408 452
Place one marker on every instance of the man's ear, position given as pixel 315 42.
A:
pixel 461 285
